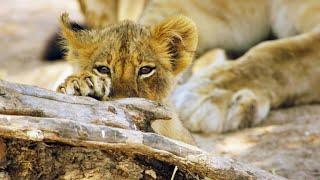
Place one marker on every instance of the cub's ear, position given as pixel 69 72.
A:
pixel 179 37
pixel 78 42
pixel 53 50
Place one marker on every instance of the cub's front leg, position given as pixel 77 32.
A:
pixel 86 84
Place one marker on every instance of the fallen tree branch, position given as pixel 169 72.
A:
pixel 49 136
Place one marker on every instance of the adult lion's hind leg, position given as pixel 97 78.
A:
pixel 214 110
pixel 204 108
pixel 241 93
pixel 209 60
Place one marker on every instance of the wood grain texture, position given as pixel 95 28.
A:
pixel 59 124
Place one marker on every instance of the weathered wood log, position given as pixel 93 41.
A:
pixel 46 135
pixel 27 101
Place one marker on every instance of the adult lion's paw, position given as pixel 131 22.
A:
pixel 86 84
pixel 246 109
pixel 203 108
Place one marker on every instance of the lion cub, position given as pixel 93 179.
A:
pixel 131 60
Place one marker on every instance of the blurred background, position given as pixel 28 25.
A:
pixel 25 26
pixel 290 149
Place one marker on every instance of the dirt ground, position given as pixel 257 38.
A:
pixel 290 149
pixel 25 26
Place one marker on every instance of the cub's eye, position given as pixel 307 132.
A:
pixel 146 70
pixel 103 69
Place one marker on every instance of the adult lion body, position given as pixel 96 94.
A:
pixel 231 25
pixel 225 95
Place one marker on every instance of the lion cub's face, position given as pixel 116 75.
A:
pixel 135 60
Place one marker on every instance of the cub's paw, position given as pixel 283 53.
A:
pixel 213 110
pixel 86 84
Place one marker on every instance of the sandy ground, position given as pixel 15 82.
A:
pixel 25 25
pixel 291 149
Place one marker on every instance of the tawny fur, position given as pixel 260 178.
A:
pixel 99 13
pixel 234 94
pixel 125 48
pixel 223 95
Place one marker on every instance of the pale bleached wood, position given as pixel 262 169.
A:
pixel 32 101
pixel 34 114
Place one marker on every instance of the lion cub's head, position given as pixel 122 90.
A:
pixel 139 61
